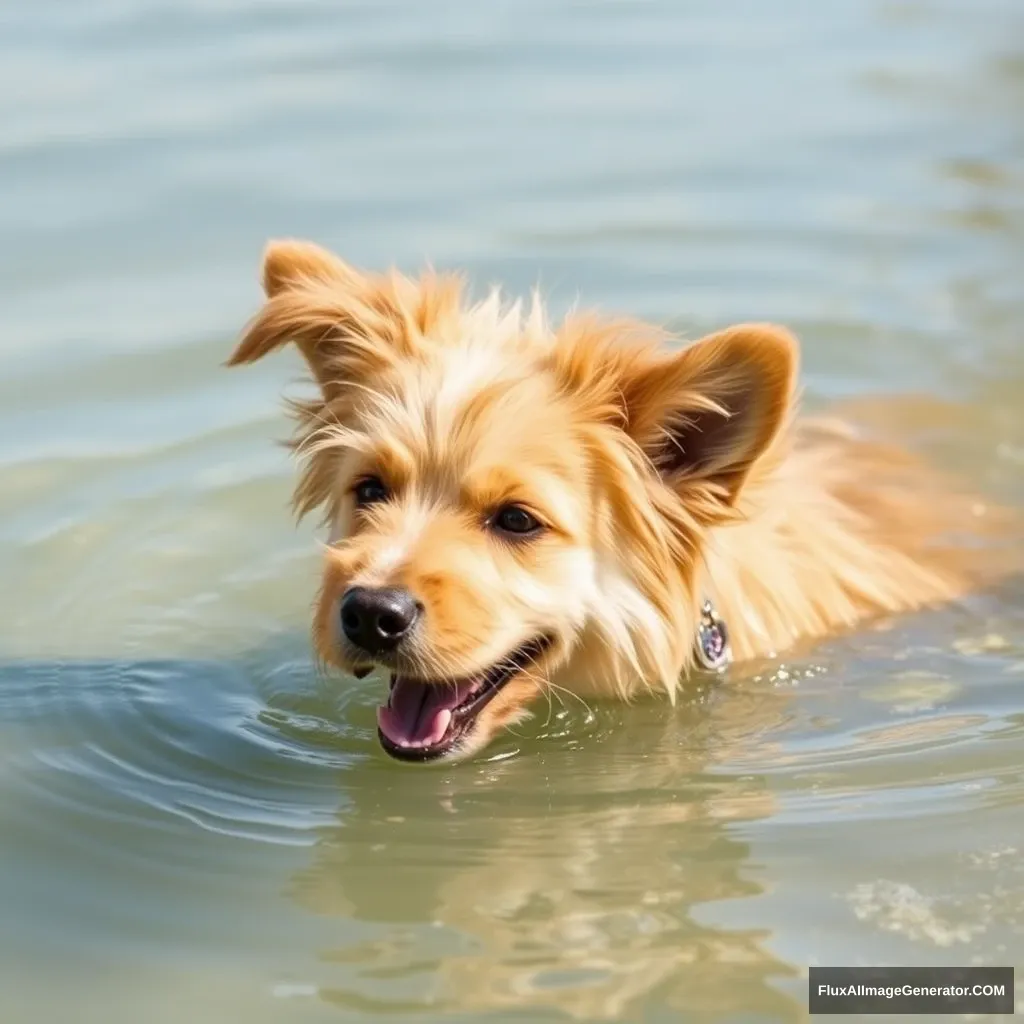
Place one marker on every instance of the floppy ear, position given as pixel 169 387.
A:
pixel 290 264
pixel 327 308
pixel 708 412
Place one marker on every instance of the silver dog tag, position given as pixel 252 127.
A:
pixel 713 650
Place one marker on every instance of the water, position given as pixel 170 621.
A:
pixel 193 825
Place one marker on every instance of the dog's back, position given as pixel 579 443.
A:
pixel 838 527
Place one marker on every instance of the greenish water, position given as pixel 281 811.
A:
pixel 193 825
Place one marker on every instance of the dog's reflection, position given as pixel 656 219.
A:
pixel 580 881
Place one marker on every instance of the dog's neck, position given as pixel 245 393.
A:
pixel 831 533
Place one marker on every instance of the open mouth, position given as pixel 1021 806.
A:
pixel 423 720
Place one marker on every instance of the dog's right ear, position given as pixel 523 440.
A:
pixel 335 314
pixel 289 264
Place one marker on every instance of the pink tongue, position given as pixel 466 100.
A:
pixel 418 714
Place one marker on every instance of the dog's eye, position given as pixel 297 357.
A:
pixel 369 491
pixel 516 520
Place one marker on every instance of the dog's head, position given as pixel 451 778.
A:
pixel 510 507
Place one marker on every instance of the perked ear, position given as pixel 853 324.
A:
pixel 708 412
pixel 317 301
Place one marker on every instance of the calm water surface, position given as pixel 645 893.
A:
pixel 193 825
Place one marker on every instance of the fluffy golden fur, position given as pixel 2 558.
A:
pixel 656 474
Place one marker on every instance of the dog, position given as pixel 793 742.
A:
pixel 516 509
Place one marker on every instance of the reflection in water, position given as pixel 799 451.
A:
pixel 576 896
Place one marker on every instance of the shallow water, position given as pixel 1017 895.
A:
pixel 193 825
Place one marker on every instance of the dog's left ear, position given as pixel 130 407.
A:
pixel 708 412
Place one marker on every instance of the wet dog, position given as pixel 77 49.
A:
pixel 516 508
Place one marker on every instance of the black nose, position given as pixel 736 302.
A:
pixel 378 619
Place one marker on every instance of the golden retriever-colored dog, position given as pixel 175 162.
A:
pixel 515 507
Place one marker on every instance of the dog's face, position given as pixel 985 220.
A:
pixel 510 507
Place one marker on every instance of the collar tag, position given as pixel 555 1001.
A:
pixel 713 650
